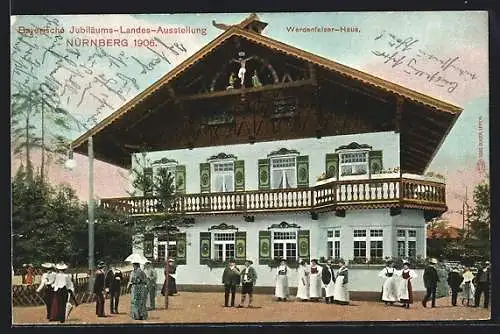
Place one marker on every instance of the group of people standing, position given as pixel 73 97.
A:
pixel 315 277
pixel 57 290
pixel 397 286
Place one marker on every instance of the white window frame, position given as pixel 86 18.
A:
pixel 163 243
pixel 171 168
pixel 334 239
pixel 224 174
pixel 360 238
pixel 272 169
pixel 344 153
pixel 376 238
pixel 224 244
pixel 406 239
pixel 284 242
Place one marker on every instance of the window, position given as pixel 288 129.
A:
pixel 285 244
pixel 407 243
pixel 223 176
pixel 283 173
pixel 372 245
pixel 224 246
pixel 169 167
pixel 354 163
pixel 333 244
pixel 161 247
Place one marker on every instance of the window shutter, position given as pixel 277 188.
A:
pixel 304 245
pixel 205 177
pixel 375 160
pixel 241 246
pixel 205 247
pixel 264 179
pixel 148 246
pixel 180 179
pixel 239 175
pixel 265 247
pixel 148 181
pixel 180 244
pixel 303 171
pixel 332 165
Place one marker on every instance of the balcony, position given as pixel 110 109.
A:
pixel 393 192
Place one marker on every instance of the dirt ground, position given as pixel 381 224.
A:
pixel 189 307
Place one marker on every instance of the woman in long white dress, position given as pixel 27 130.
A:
pixel 341 289
pixel 468 288
pixel 303 284
pixel 315 281
pixel 281 292
pixel 390 287
pixel 405 292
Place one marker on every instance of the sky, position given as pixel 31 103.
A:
pixel 91 82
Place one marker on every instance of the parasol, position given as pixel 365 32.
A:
pixel 136 258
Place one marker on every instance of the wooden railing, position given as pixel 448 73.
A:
pixel 403 192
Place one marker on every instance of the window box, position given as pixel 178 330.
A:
pixel 291 263
pixel 212 263
pixel 385 176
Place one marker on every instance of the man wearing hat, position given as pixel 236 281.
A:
pixel 483 281
pixel 248 279
pixel 431 279
pixel 454 280
pixel 328 279
pixel 230 278
pixel 114 278
pixel 48 278
pixel 99 286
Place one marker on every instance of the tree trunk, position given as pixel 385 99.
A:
pixel 42 167
pixel 167 269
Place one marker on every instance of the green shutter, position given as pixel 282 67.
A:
pixel 241 246
pixel 332 165
pixel 376 164
pixel 205 247
pixel 265 247
pixel 148 246
pixel 180 179
pixel 205 177
pixel 304 245
pixel 264 180
pixel 181 248
pixel 148 181
pixel 303 171
pixel 239 175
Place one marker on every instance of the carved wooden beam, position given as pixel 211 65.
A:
pixel 361 91
pixel 147 114
pixel 399 113
pixel 239 91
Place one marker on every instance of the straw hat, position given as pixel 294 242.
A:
pixel 61 266
pixel 434 261
pixel 48 265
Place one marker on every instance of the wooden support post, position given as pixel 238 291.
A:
pixel 399 114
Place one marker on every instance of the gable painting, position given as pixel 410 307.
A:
pixel 250 167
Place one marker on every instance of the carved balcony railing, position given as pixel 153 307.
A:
pixel 371 193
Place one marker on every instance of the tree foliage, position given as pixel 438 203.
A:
pixel 50 224
pixel 478 235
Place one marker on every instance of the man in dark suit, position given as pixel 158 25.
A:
pixel 483 281
pixel 328 279
pixel 454 281
pixel 99 286
pixel 431 279
pixel 230 278
pixel 114 279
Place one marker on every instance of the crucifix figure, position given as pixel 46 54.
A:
pixel 242 61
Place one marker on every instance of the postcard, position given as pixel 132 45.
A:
pixel 250 167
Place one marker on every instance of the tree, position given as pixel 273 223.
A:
pixel 478 234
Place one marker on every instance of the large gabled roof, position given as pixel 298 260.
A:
pixel 238 30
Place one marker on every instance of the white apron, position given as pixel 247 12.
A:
pixel 281 290
pixel 403 292
pixel 330 287
pixel 315 283
pixel 303 285
pixel 341 290
pixel 390 286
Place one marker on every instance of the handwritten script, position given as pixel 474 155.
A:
pixel 96 78
pixel 403 53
